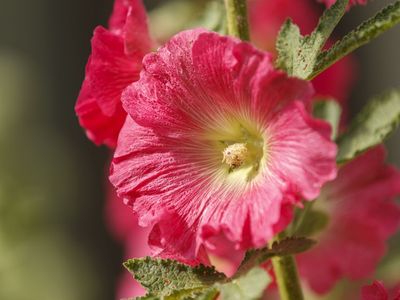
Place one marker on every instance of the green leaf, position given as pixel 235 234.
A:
pixel 372 125
pixel 287 246
pixel 171 280
pixel 209 294
pixel 164 277
pixel 248 287
pixel 330 111
pixel 214 17
pixel 363 34
pixel 145 298
pixel 288 45
pixel 170 17
pixel 297 55
pixel 313 222
pixel 196 294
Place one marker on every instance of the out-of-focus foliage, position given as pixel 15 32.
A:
pixel 38 258
pixel 371 126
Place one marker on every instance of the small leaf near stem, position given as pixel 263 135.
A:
pixel 363 34
pixel 166 279
pixel 283 247
pixel 163 277
pixel 297 54
pixel 236 14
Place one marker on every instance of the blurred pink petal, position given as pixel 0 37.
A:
pixel 363 215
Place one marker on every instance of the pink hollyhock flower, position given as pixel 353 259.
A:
pixel 115 62
pixel 266 19
pixel 363 215
pixel 216 142
pixel 377 291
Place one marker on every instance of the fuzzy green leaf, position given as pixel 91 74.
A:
pixel 363 34
pixel 248 287
pixel 145 298
pixel 209 294
pixel 164 277
pixel 297 55
pixel 196 294
pixel 288 44
pixel 287 246
pixel 330 111
pixel 171 280
pixel 372 125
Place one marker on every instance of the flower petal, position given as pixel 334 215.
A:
pixel 115 62
pixel 100 129
pixel 299 141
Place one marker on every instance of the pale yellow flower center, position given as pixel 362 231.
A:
pixel 234 150
pixel 235 155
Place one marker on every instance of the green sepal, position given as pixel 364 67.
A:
pixel 373 124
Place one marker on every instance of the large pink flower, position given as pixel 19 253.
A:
pixel 216 142
pixel 267 17
pixel 115 62
pixel 363 215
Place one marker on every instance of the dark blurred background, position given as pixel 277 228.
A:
pixel 53 238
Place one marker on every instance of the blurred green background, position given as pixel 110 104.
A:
pixel 53 239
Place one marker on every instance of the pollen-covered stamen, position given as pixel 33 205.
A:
pixel 235 155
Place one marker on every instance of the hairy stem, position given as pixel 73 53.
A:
pixel 286 277
pixel 236 13
pixel 366 32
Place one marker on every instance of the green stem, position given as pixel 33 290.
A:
pixel 236 13
pixel 287 278
pixel 285 270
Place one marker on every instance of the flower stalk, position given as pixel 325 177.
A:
pixel 236 13
pixel 287 278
